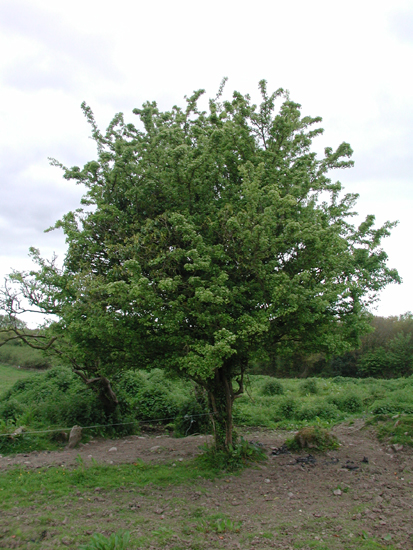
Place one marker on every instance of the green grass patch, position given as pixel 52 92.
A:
pixel 397 429
pixel 47 485
pixel 10 375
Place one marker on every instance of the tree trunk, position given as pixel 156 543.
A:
pixel 104 393
pixel 221 399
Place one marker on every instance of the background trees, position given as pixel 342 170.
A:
pixel 210 238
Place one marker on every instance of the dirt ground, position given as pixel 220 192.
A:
pixel 345 498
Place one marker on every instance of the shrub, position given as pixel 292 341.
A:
pixel 272 387
pixel 324 410
pixel 391 407
pixel 11 410
pixel 288 407
pixel 154 403
pixel 351 403
pixel 192 417
pixel 309 386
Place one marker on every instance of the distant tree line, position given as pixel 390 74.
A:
pixel 385 352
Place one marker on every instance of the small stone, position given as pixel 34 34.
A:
pixel 98 489
pixel 154 448
pixel 74 438
pixel 89 456
pixel 267 481
pixel 290 495
pixel 180 459
pixel 112 449
pixel 337 492
pixel 174 465
pixel 397 447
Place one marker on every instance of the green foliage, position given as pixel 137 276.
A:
pixel 17 354
pixel 309 386
pixel 396 429
pixel 10 375
pixel 272 387
pixel 288 407
pixel 323 410
pixel 234 458
pixel 351 403
pixel 116 541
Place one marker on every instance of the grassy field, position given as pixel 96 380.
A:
pixel 10 375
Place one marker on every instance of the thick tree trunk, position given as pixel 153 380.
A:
pixel 221 399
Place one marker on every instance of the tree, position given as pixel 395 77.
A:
pixel 211 238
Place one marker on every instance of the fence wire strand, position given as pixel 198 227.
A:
pixel 154 420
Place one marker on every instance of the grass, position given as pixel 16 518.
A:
pixel 10 375
pixel 396 429
pixel 52 484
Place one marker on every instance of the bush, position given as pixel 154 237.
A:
pixel 11 410
pixel 391 407
pixel 309 386
pixel 155 403
pixel 326 411
pixel 288 407
pixel 193 417
pixel 272 387
pixel 351 404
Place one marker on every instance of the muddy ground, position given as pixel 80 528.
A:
pixel 358 495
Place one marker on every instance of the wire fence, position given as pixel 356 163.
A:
pixel 134 422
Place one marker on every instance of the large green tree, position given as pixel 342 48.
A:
pixel 210 237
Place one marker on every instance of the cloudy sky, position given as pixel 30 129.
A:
pixel 347 62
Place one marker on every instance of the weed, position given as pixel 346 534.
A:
pixel 116 541
pixel 234 458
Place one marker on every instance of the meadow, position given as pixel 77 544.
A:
pixel 9 375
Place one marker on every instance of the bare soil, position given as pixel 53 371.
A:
pixel 359 496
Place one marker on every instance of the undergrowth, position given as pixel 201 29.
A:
pixel 237 456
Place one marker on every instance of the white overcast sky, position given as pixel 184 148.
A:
pixel 350 63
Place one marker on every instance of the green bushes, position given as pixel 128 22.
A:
pixel 272 387
pixel 324 410
pixel 57 398
pixel 350 403
pixel 309 386
pixel 288 407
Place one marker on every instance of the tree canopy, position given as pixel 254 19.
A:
pixel 206 238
